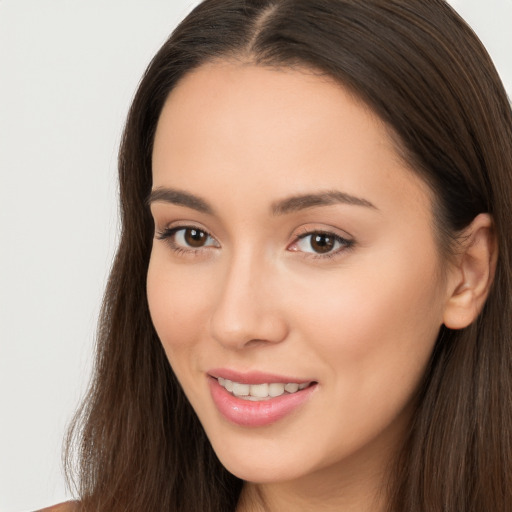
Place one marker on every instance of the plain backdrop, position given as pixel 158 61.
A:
pixel 68 70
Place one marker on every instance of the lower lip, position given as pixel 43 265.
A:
pixel 247 413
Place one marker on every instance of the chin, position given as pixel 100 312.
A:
pixel 253 469
pixel 260 457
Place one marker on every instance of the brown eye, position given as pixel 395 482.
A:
pixel 187 238
pixel 322 242
pixel 195 237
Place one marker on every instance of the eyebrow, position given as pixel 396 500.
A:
pixel 281 207
pixel 326 198
pixel 180 198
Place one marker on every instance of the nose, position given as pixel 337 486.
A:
pixel 248 311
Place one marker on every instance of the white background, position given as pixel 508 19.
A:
pixel 68 69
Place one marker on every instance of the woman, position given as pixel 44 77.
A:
pixel 316 233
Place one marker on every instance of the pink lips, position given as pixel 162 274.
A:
pixel 255 414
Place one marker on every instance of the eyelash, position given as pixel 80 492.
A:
pixel 168 234
pixel 345 243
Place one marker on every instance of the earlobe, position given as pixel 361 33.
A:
pixel 472 277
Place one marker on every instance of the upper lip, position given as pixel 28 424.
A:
pixel 254 377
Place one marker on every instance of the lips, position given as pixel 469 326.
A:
pixel 253 377
pixel 257 399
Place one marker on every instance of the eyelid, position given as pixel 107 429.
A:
pixel 312 227
pixel 346 241
pixel 168 233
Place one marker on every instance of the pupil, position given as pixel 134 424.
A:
pixel 322 243
pixel 195 237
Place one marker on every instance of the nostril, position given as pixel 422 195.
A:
pixel 247 328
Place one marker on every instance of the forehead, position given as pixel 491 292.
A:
pixel 229 95
pixel 280 131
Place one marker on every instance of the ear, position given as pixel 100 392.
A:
pixel 470 280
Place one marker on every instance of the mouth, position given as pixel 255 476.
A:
pixel 257 399
pixel 263 391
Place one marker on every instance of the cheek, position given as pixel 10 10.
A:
pixel 176 304
pixel 376 324
pixel 373 343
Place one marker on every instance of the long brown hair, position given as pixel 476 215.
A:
pixel 415 63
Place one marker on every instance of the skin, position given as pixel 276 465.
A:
pixel 361 321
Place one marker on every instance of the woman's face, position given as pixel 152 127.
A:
pixel 294 260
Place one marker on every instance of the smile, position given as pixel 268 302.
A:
pixel 257 399
pixel 264 391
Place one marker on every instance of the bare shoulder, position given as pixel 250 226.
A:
pixel 69 506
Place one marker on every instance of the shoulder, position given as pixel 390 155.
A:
pixel 69 506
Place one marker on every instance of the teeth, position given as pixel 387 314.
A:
pixel 292 387
pixel 259 390
pixel 276 389
pixel 255 392
pixel 241 389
